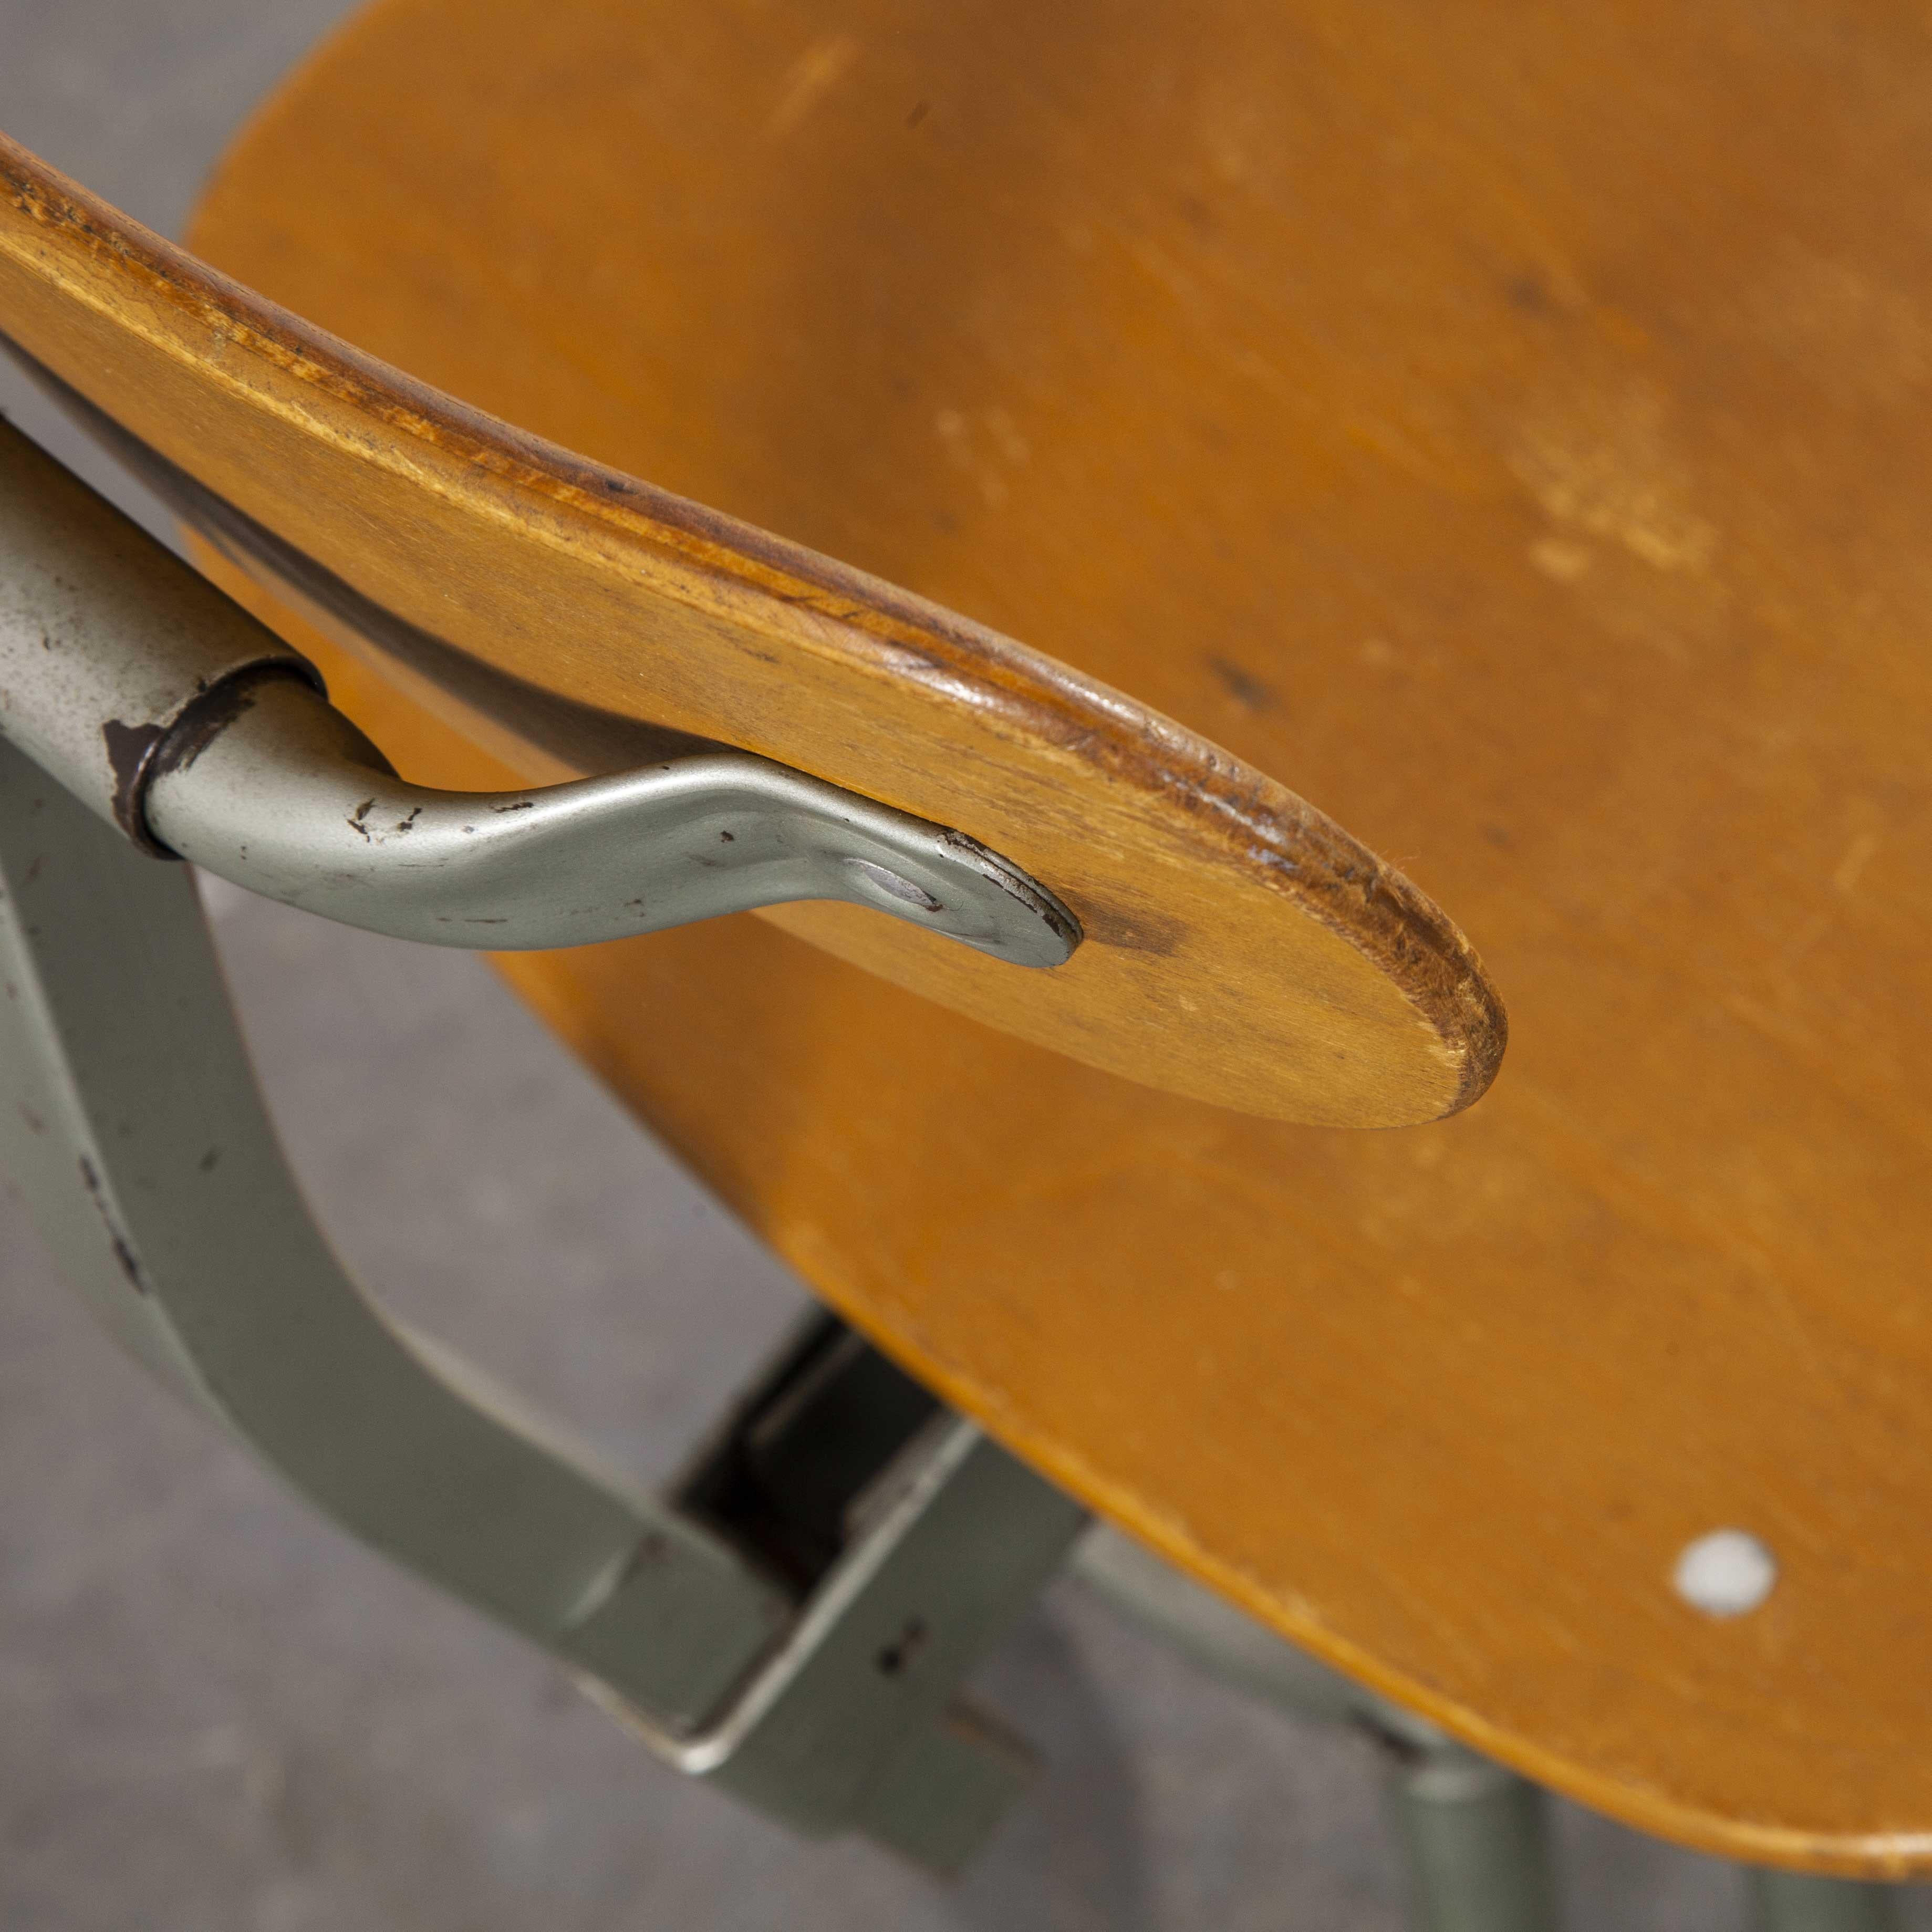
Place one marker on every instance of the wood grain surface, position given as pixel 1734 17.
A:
pixel 1508 421
pixel 1240 946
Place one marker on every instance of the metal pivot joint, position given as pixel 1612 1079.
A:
pixel 168 710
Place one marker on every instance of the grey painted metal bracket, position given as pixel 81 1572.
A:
pixel 129 1119
pixel 171 712
pixel 1475 1835
pixel 1787 1901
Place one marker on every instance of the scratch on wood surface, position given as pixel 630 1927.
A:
pixel 965 449
pixel 1563 561
pixel 812 76
pixel 1846 330
pixel 1859 855
pixel 1603 466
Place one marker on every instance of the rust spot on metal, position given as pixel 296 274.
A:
pixel 117 1240
pixel 898 1656
pixel 130 749
pixel 207 715
pixel 138 755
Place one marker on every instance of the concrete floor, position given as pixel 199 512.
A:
pixel 215 1713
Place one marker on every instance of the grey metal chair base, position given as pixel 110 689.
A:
pixel 1784 1901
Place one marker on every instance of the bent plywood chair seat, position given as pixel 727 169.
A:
pixel 1507 438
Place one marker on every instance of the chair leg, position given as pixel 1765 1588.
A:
pixel 1476 1838
pixel 1784 1901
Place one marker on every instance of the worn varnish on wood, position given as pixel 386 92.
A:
pixel 1508 423
pixel 1240 946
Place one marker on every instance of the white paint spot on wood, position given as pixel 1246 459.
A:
pixel 1727 1573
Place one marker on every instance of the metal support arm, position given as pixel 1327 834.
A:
pixel 168 710
pixel 1475 1836
pixel 130 1118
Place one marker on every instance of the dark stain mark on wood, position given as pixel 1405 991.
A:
pixel 1242 684
pixel 1528 293
pixel 1140 930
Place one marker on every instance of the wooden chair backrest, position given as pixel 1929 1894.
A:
pixel 1240 946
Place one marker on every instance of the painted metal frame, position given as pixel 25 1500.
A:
pixel 131 1119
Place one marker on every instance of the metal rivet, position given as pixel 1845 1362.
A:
pixel 900 887
pixel 1725 1573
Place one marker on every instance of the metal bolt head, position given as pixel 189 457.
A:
pixel 1726 1572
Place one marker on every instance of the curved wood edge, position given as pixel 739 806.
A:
pixel 579 1011
pixel 72 242
pixel 1879 1856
